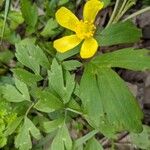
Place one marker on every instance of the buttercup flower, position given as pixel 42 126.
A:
pixel 84 29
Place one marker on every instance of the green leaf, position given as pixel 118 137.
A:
pixel 142 140
pixel 108 103
pixel 3 141
pixel 13 126
pixel 62 2
pixel 71 64
pixel 49 29
pixel 68 54
pixel 93 144
pixel 15 18
pixel 47 102
pixel 5 56
pixel 62 84
pixel 29 12
pixel 62 141
pixel 106 2
pixel 125 58
pixel 50 126
pixel 23 139
pixel 26 76
pixel 120 33
pixel 84 138
pixel 31 56
pixel 16 94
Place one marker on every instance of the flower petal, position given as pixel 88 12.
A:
pixel 91 8
pixel 66 18
pixel 66 43
pixel 89 48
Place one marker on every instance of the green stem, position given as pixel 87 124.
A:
pixel 120 11
pixel 114 13
pixel 85 138
pixel 137 13
pixel 28 110
pixel 7 3
pixel 75 111
pixel 127 6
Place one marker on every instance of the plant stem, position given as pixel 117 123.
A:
pixel 114 13
pixel 83 139
pixel 28 110
pixel 75 111
pixel 137 13
pixel 7 3
pixel 120 11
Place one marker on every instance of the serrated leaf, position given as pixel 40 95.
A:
pixel 50 126
pixel 29 12
pixel 142 140
pixel 47 102
pixel 127 58
pixel 62 84
pixel 62 141
pixel 108 103
pixel 31 56
pixel 49 29
pixel 120 33
pixel 93 144
pixel 71 64
pixel 23 139
pixel 26 77
pixel 16 94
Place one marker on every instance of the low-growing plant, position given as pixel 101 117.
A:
pixel 58 74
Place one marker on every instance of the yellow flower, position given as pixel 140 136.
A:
pixel 84 29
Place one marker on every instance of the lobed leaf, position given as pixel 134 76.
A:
pixel 62 140
pixel 47 102
pixel 127 58
pixel 16 94
pixel 26 77
pixel 23 139
pixel 71 64
pixel 29 12
pixel 31 56
pixel 62 84
pixel 50 126
pixel 119 33
pixel 108 103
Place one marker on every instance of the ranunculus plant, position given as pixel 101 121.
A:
pixel 59 76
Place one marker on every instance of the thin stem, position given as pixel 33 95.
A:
pixel 114 13
pixel 28 110
pixel 127 6
pixel 83 139
pixel 75 111
pixel 137 13
pixel 120 10
pixel 7 3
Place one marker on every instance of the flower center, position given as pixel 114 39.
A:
pixel 85 29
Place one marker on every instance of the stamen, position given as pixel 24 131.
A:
pixel 85 29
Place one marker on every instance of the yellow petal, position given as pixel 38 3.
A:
pixel 89 48
pixel 66 43
pixel 66 18
pixel 91 8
